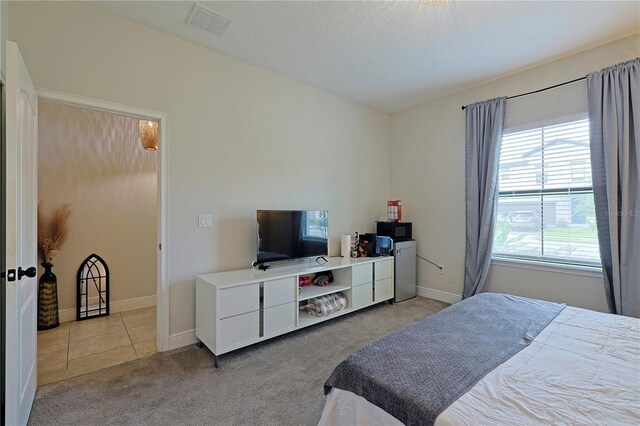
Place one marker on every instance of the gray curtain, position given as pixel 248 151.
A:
pixel 614 120
pixel 485 121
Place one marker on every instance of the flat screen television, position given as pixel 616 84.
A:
pixel 291 234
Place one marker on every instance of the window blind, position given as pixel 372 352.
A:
pixel 545 206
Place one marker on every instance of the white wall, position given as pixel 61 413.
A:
pixel 94 161
pixel 427 164
pixel 240 138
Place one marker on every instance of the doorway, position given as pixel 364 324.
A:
pixel 87 345
pixel 3 242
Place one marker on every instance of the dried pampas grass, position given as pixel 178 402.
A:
pixel 52 236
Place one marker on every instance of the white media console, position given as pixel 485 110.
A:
pixel 235 309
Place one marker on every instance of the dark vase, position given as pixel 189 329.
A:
pixel 48 299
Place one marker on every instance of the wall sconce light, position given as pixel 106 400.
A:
pixel 148 134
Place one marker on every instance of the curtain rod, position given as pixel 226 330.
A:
pixel 542 90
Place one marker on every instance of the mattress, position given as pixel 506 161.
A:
pixel 583 368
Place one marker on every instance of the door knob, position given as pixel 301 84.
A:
pixel 10 275
pixel 29 272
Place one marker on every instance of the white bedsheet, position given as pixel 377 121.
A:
pixel 583 368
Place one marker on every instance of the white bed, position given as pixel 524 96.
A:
pixel 583 368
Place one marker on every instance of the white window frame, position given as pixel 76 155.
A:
pixel 551 265
pixel 308 237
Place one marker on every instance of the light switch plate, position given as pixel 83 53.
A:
pixel 205 220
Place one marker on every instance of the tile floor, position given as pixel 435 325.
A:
pixel 76 348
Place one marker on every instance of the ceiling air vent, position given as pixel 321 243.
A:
pixel 208 20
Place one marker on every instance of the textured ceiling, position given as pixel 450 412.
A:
pixel 391 55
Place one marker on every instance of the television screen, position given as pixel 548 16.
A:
pixel 291 234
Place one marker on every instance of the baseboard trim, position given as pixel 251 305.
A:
pixel 66 315
pixel 442 296
pixel 183 338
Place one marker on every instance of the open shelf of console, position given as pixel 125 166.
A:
pixel 311 291
pixel 306 319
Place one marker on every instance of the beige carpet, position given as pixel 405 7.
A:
pixel 278 382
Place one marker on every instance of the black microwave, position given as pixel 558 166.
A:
pixel 398 231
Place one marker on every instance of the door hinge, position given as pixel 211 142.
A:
pixel 160 246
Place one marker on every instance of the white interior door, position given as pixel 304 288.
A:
pixel 21 190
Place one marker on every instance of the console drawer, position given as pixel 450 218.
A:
pixel 384 290
pixel 277 292
pixel 237 330
pixel 238 300
pixel 362 295
pixel 361 274
pixel 278 318
pixel 383 269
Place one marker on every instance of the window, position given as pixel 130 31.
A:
pixel 315 224
pixel 545 203
pixel 580 170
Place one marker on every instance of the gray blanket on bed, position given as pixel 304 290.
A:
pixel 414 374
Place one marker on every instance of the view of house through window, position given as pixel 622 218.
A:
pixel 315 224
pixel 545 205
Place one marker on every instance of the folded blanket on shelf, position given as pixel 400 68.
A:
pixel 325 305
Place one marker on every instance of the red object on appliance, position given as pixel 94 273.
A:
pixel 394 211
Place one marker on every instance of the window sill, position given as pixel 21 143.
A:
pixel 558 268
